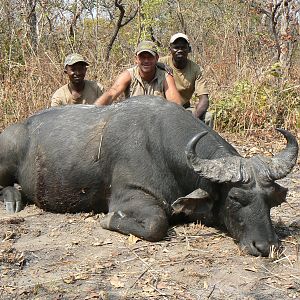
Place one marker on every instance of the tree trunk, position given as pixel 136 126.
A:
pixel 120 23
pixel 32 23
pixel 286 44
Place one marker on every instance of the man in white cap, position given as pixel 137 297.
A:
pixel 78 90
pixel 188 77
pixel 143 79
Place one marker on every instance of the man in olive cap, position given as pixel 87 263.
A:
pixel 78 90
pixel 188 77
pixel 143 79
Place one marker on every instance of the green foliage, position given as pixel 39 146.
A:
pixel 151 17
pixel 230 40
pixel 258 104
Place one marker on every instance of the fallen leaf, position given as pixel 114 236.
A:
pixel 148 289
pixel 115 281
pixel 90 220
pixel 82 276
pixel 69 280
pixel 93 295
pixel 107 242
pixel 162 285
pixel 132 239
pixel 97 243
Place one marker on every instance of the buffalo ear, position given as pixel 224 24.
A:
pixel 279 195
pixel 196 203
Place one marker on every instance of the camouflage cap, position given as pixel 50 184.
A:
pixel 178 35
pixel 146 46
pixel 74 58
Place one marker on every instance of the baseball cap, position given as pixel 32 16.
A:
pixel 74 58
pixel 178 35
pixel 146 46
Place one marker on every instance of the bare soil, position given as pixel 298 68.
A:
pixel 69 256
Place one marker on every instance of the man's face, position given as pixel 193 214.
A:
pixel 180 50
pixel 146 62
pixel 76 72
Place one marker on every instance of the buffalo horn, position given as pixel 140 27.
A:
pixel 225 169
pixel 282 163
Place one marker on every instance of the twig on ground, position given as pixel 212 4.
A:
pixel 186 239
pixel 157 290
pixel 139 277
pixel 211 291
pixel 273 274
pixel 144 262
pixel 296 277
pixel 283 258
pixel 274 287
pixel 180 261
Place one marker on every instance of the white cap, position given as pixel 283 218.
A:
pixel 178 35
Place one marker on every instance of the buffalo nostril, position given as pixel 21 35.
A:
pixel 262 248
pixel 266 248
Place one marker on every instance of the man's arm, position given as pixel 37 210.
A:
pixel 171 91
pixel 201 93
pixel 56 102
pixel 116 90
pixel 58 98
pixel 201 106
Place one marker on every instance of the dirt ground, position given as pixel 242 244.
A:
pixel 69 256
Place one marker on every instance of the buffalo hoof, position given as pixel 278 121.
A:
pixel 12 199
pixel 13 207
pixel 105 222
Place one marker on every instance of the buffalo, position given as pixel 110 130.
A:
pixel 145 162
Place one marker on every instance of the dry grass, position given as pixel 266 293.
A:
pixel 261 103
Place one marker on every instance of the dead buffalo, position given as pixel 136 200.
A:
pixel 143 161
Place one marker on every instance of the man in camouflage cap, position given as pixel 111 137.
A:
pixel 188 77
pixel 143 79
pixel 78 90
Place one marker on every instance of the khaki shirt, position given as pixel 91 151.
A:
pixel 91 92
pixel 139 87
pixel 188 80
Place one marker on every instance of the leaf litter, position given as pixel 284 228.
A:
pixel 69 256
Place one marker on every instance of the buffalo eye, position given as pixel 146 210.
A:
pixel 239 198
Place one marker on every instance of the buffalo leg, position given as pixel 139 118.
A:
pixel 139 217
pixel 12 199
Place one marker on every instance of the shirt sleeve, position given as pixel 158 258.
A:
pixel 58 98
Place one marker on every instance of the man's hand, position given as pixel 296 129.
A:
pixel 201 106
pixel 120 85
pixel 165 67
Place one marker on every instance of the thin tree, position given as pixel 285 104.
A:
pixel 121 22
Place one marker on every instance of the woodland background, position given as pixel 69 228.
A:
pixel 248 49
pixel 250 53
